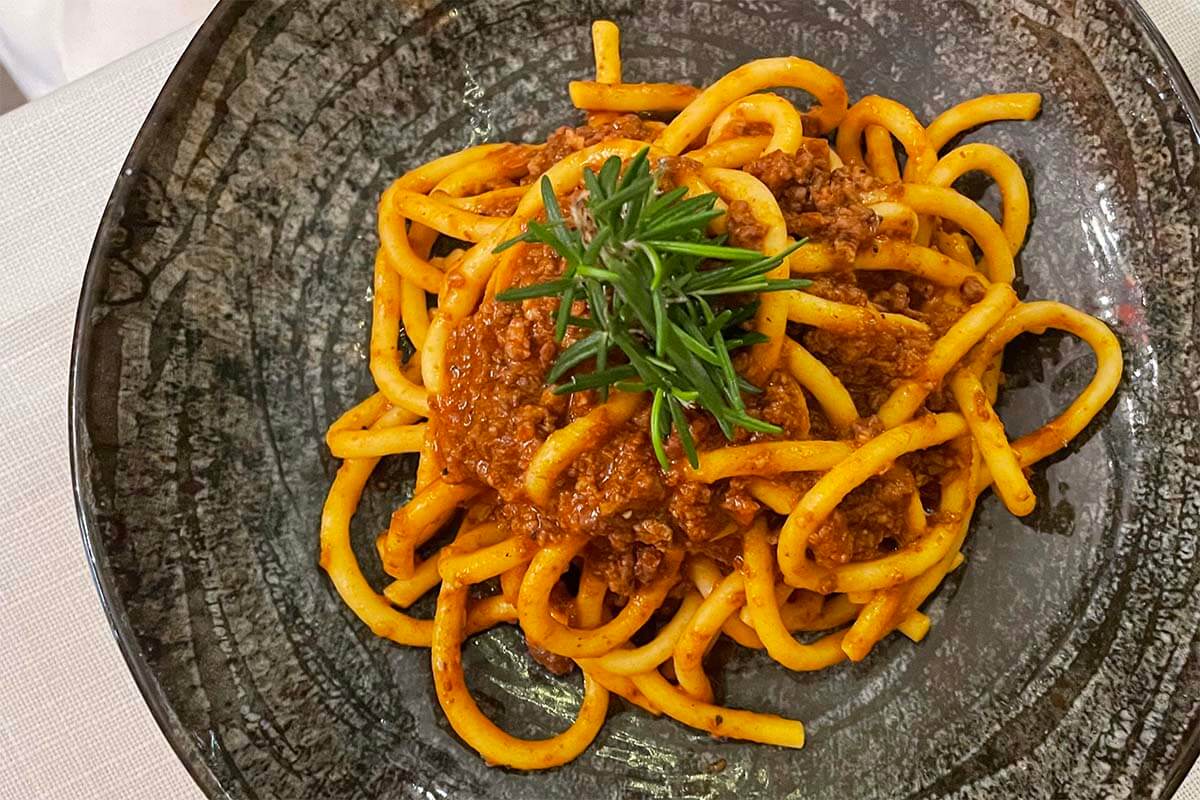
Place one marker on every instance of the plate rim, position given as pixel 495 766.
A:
pixel 212 33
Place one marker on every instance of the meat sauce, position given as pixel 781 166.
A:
pixel 497 410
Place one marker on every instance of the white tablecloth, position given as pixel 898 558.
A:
pixel 72 723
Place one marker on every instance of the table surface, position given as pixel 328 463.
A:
pixel 72 722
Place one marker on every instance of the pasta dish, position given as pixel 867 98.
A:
pixel 708 365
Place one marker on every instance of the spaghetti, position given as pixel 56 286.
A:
pixel 874 384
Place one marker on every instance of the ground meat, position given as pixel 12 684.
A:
pixel 488 433
pixel 744 228
pixel 818 202
pixel 931 467
pixel 498 411
pixel 626 565
pixel 782 403
pixel 870 364
pixel 918 298
pixel 567 140
pixel 870 522
pixel 646 561
pixel 558 665
pixel 840 287
pixel 895 298
pixel 973 290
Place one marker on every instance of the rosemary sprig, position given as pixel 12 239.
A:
pixel 647 269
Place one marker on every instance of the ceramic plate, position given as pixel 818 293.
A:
pixel 223 325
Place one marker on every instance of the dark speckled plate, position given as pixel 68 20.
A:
pixel 223 325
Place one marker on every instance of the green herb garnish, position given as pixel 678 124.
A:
pixel 646 268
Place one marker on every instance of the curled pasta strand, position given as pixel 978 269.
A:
pixel 1038 316
pixel 836 611
pixel 897 120
pixel 425 177
pixel 506 164
pixel 881 156
pixel 707 576
pixel 636 660
pixel 778 497
pixel 939 201
pixel 414 313
pixel 729 723
pixel 385 441
pixel 980 110
pixel 768 458
pixel 338 561
pixel 622 686
pixel 887 254
pixel 818 503
pixel 361 415
pixel 758 569
pixel 418 520
pixel 732 153
pixel 896 608
pixel 1014 192
pixel 1011 484
pixel 533 606
pixel 701 631
pixel 403 592
pixel 947 351
pixel 477 566
pixel 566 444
pixel 755 76
pixel 488 202
pixel 442 217
pixel 954 245
pixel 818 379
pixel 496 746
pixel 808 309
pixel 787 129
pixel 384 361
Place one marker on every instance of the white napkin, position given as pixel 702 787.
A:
pixel 72 723
pixel 47 43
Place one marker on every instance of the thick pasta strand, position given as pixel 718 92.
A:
pixel 498 747
pixel 897 120
pixel 759 567
pixel 730 723
pixel 533 605
pixel 566 444
pixel 636 660
pixel 797 73
pixel 947 351
pixel 980 110
pixel 768 458
pixel 704 626
pixel 787 129
pixel 816 505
